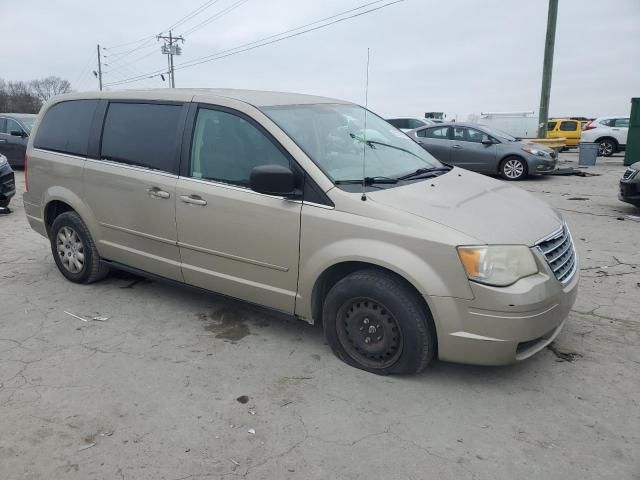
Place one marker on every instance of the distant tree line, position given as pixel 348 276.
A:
pixel 28 97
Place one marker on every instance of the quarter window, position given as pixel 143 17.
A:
pixel 142 134
pixel 551 125
pixel 226 147
pixel 65 127
pixel 569 126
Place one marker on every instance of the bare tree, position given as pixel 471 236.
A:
pixel 48 87
pixel 20 99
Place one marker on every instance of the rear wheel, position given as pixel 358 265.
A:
pixel 513 168
pixel 375 322
pixel 74 251
pixel 607 147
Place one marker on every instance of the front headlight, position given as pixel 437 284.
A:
pixel 3 161
pixel 535 151
pixel 498 265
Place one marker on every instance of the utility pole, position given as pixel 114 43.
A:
pixel 99 75
pixel 547 68
pixel 171 48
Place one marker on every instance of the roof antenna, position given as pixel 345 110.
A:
pixel 364 136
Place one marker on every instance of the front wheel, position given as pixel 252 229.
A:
pixel 513 168
pixel 375 322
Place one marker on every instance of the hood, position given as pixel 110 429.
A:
pixel 492 211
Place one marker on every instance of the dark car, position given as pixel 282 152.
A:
pixel 485 150
pixel 630 185
pixel 15 129
pixel 7 182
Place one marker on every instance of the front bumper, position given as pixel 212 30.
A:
pixel 7 184
pixel 541 164
pixel 630 191
pixel 503 325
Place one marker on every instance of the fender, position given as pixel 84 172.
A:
pixel 407 264
pixel 69 197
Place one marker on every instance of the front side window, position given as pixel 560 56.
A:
pixel 569 126
pixel 621 122
pixel 65 127
pixel 413 123
pixel 226 147
pixel 13 126
pixel 142 134
pixel 335 138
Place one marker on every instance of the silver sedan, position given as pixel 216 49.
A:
pixel 485 150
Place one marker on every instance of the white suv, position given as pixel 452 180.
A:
pixel 609 132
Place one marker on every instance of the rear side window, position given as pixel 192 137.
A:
pixel 569 126
pixel 142 134
pixel 621 122
pixel 441 133
pixel 65 127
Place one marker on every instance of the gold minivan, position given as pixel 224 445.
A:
pixel 307 205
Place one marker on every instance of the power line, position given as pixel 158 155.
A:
pixel 195 12
pixel 262 42
pixel 215 16
pixel 146 39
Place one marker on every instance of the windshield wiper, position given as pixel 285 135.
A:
pixel 371 143
pixel 368 181
pixel 426 172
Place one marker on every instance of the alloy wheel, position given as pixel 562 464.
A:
pixel 605 148
pixel 513 169
pixel 70 249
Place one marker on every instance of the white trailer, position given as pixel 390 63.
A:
pixel 517 124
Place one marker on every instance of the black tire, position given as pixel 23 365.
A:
pixel 4 203
pixel 514 168
pixel 607 147
pixel 383 302
pixel 91 269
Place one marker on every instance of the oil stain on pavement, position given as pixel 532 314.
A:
pixel 227 323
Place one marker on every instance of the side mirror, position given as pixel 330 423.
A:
pixel 273 180
pixel 18 133
pixel 486 140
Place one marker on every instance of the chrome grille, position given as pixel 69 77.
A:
pixel 629 174
pixel 560 253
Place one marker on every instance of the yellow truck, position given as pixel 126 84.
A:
pixel 566 128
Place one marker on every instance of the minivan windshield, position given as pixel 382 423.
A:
pixel 335 138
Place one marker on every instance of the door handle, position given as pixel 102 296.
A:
pixel 155 192
pixel 193 200
pixel 2 140
pixel 456 146
pixel 420 142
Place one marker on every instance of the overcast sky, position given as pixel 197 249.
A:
pixel 460 57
